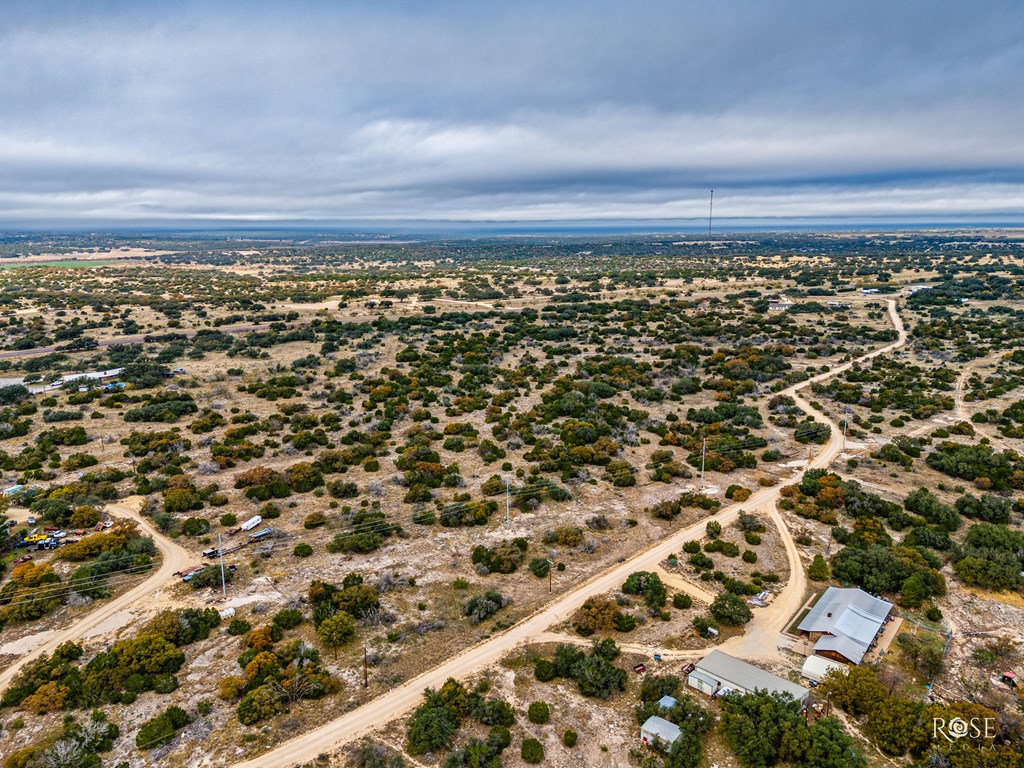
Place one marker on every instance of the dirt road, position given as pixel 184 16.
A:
pixel 399 700
pixel 679 584
pixel 173 558
pixel 960 407
pixel 761 639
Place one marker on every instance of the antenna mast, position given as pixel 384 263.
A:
pixel 711 209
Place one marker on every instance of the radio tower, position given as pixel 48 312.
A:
pixel 711 209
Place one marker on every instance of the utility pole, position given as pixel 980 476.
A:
pixel 550 566
pixel 711 208
pixel 508 506
pixel 366 678
pixel 846 423
pixel 703 455
pixel 223 581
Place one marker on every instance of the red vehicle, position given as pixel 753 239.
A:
pixel 23 559
pixel 689 668
pixel 640 669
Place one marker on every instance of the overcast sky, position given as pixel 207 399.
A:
pixel 145 111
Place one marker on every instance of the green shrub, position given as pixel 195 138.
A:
pixel 703 623
pixel 682 601
pixel 544 670
pixel 195 526
pixel 239 627
pixel 731 609
pixel 569 738
pixel 539 567
pixel 314 520
pixel 532 751
pixel 302 550
pixel 288 618
pixel 161 729
pixel 538 713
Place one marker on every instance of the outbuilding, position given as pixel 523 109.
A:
pixel 659 733
pixel 816 667
pixel 667 702
pixel 719 673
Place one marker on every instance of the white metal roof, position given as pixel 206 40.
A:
pixel 846 647
pixel 730 672
pixel 661 728
pixel 852 616
pixel 816 667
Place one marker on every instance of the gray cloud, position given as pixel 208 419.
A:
pixel 128 111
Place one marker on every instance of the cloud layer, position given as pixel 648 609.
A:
pixel 387 111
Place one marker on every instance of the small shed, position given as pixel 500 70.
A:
pixel 659 733
pixel 667 702
pixel 816 667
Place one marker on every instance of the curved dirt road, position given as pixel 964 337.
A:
pixel 397 701
pixel 172 558
pixel 959 404
pixel 760 641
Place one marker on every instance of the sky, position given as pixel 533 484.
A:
pixel 145 112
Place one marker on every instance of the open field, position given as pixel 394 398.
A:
pixel 455 448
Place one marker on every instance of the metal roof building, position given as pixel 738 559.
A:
pixel 816 667
pixel 719 673
pixel 667 702
pixel 659 732
pixel 844 623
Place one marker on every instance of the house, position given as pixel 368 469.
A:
pixel 916 288
pixel 816 667
pixel 659 733
pixel 867 291
pixel 780 304
pixel 719 673
pixel 844 623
